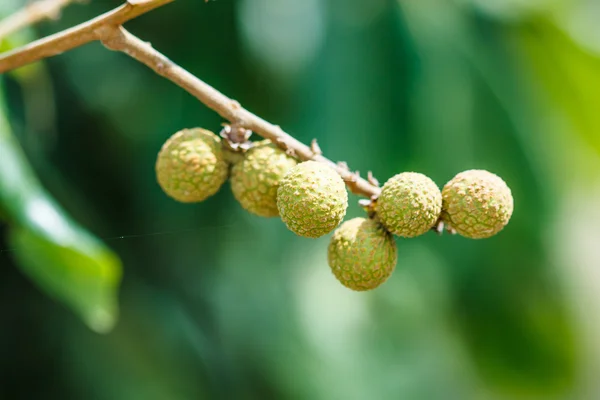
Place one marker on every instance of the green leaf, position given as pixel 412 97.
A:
pixel 56 253
pixel 81 273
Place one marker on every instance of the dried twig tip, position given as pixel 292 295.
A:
pixel 314 147
pixel 352 177
pixel 372 180
pixel 343 165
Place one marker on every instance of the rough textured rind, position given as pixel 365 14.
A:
pixel 190 166
pixel 409 205
pixel 255 179
pixel 312 199
pixel 477 204
pixel 362 254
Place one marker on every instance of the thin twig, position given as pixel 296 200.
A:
pixel 76 36
pixel 120 40
pixel 32 14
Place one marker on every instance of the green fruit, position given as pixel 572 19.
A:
pixel 362 254
pixel 409 204
pixel 190 166
pixel 312 199
pixel 476 204
pixel 255 179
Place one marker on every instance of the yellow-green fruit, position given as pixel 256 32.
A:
pixel 477 204
pixel 312 199
pixel 255 179
pixel 190 166
pixel 362 254
pixel 409 204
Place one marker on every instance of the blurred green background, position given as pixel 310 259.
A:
pixel 216 303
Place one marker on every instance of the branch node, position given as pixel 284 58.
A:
pixel 236 137
pixel 160 67
pixel 110 36
pixel 291 152
pixel 281 142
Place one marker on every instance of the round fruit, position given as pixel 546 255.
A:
pixel 190 166
pixel 255 179
pixel 477 204
pixel 409 204
pixel 362 254
pixel 312 199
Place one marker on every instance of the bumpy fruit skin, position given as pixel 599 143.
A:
pixel 190 166
pixel 362 254
pixel 409 204
pixel 477 204
pixel 255 179
pixel 312 199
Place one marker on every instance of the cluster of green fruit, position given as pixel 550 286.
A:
pixel 311 199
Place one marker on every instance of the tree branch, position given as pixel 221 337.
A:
pixel 32 14
pixel 117 38
pixel 107 29
pixel 76 36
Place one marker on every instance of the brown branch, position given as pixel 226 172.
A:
pixel 32 14
pixel 76 36
pixel 107 28
pixel 120 40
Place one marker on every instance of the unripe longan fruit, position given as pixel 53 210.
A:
pixel 409 204
pixel 312 199
pixel 362 254
pixel 255 179
pixel 190 166
pixel 477 204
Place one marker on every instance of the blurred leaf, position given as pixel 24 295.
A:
pixel 81 274
pixel 573 82
pixel 55 252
